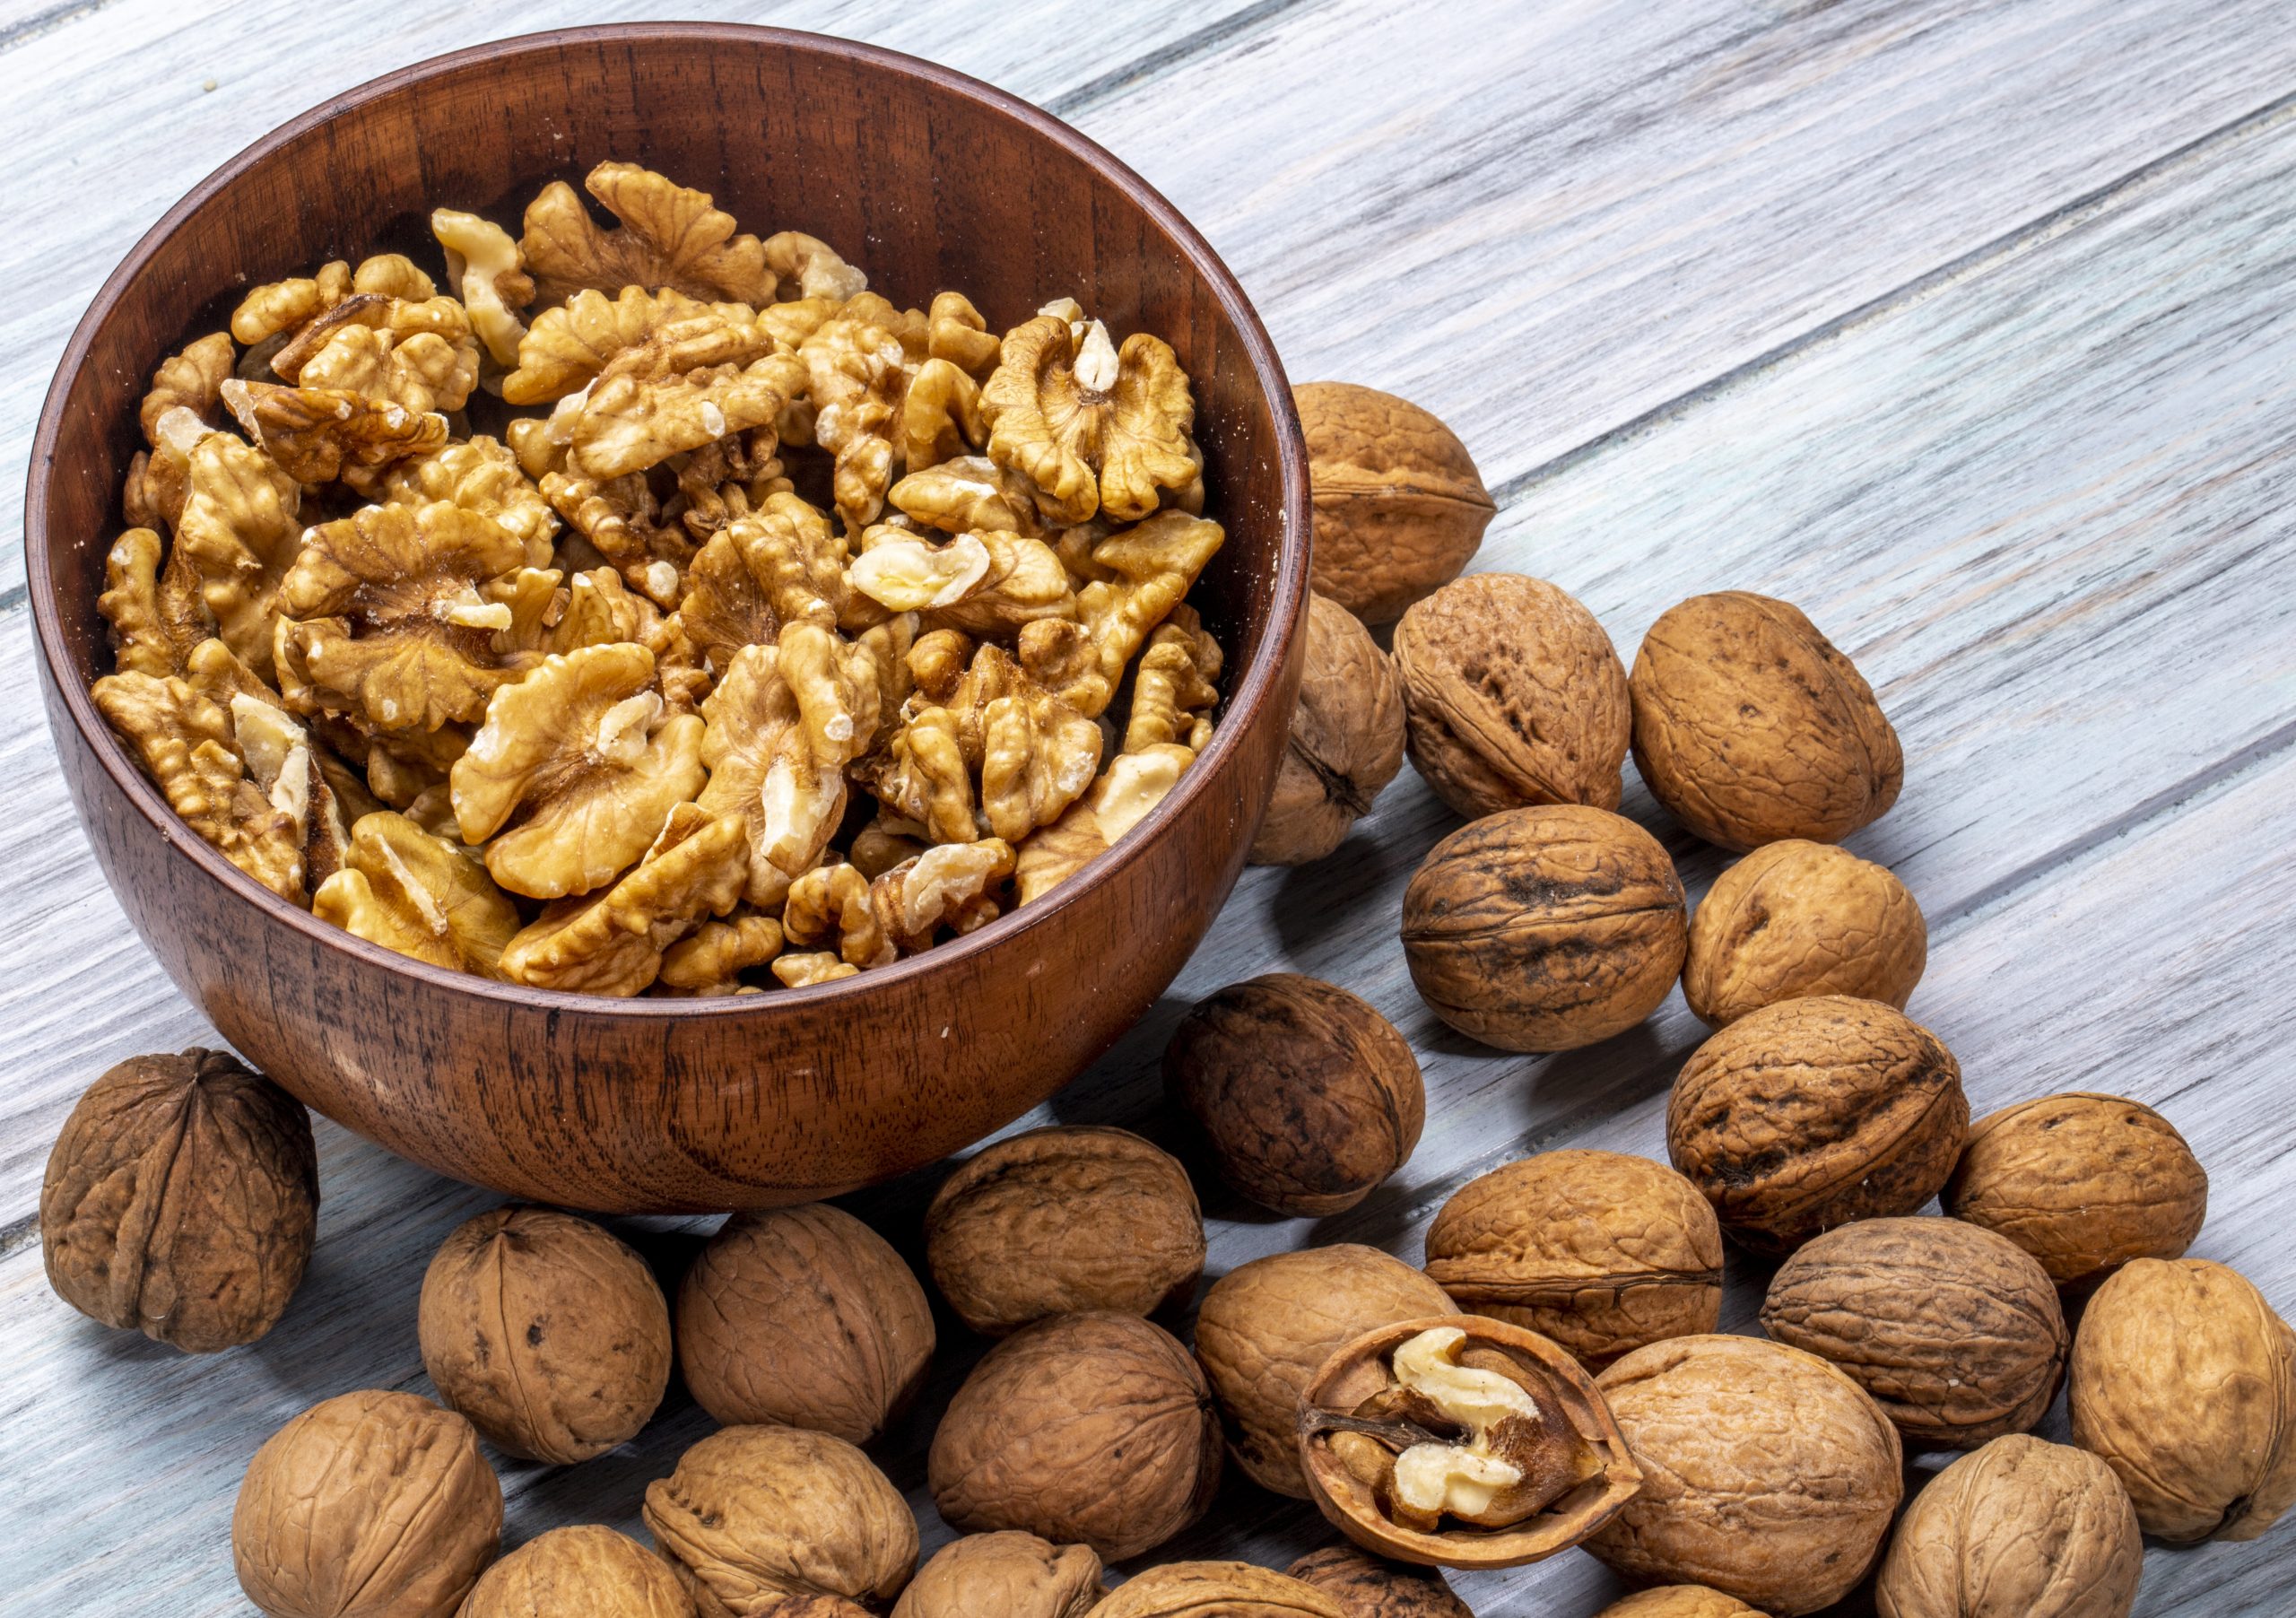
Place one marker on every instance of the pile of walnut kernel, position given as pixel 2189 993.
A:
pixel 607 703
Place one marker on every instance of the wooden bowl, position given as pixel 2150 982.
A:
pixel 929 180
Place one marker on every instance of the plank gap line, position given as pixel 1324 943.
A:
pixel 1174 53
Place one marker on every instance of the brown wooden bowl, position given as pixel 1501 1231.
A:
pixel 929 180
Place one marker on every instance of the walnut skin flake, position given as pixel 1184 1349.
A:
pixel 408 891
pixel 611 943
pixel 318 434
pixel 670 236
pixel 488 274
pixel 1093 427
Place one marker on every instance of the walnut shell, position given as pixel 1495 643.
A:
pixel 589 1569
pixel 1365 1586
pixel 1544 928
pixel 1265 1327
pixel 1512 696
pixel 1794 918
pixel 1679 1601
pixel 1092 1429
pixel 1603 1252
pixel 1216 1589
pixel 1308 1097
pixel 1010 1574
pixel 1810 1113
pixel 1345 742
pixel 2084 1183
pixel 546 1331
pixel 1751 727
pixel 755 1513
pixel 2184 1379
pixel 806 1318
pixel 1955 1332
pixel 180 1201
pixel 1064 1219
pixel 372 1502
pixel 2018 1529
pixel 1772 1476
pixel 1399 506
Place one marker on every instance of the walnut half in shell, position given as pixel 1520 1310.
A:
pixel 1460 1441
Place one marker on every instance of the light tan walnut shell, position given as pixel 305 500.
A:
pixel 610 943
pixel 1680 1601
pixel 1062 1220
pixel 668 236
pixel 1768 1474
pixel 1217 1589
pixel 2184 1379
pixel 1365 1586
pixel 1796 918
pixel 1399 507
pixel 1093 427
pixel 422 895
pixel 2018 1529
pixel 806 1318
pixel 1603 1252
pixel 369 1502
pixel 1009 1574
pixel 1345 742
pixel 589 1569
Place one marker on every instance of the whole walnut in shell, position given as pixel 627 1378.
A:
pixel 1092 1429
pixel 1512 696
pixel 1750 727
pixel 1955 1332
pixel 1010 1574
pixel 1679 1601
pixel 546 1331
pixel 180 1200
pixel 1603 1252
pixel 753 1515
pixel 1308 1097
pixel 1794 918
pixel 589 1569
pixel 1267 1325
pixel 1369 1586
pixel 1769 1475
pixel 1345 742
pixel 1810 1113
pixel 1399 507
pixel 804 1317
pixel 1064 1219
pixel 2184 1379
pixel 1216 1589
pixel 1544 928
pixel 2018 1529
pixel 372 1502
pixel 2084 1183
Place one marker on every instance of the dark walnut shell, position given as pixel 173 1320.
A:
pixel 371 1502
pixel 1812 1113
pixel 1750 727
pixel 589 1569
pixel 806 1318
pixel 1267 1327
pixel 1094 1429
pixel 2018 1529
pixel 1583 1457
pixel 1345 743
pixel 1216 1589
pixel 2184 1379
pixel 180 1201
pixel 1008 1574
pixel 1369 1586
pixel 1955 1332
pixel 1772 1476
pixel 1399 507
pixel 547 1332
pixel 1545 928
pixel 1064 1219
pixel 755 1513
pixel 1603 1252
pixel 2084 1183
pixel 1680 1601
pixel 1308 1096
pixel 1796 919
pixel 1512 696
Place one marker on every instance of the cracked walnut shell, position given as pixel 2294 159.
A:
pixel 2018 1529
pixel 1216 1589
pixel 1399 507
pixel 1345 745
pixel 589 1569
pixel 1008 1574
pixel 1364 1585
pixel 1794 918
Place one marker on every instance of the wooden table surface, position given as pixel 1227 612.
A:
pixel 1966 327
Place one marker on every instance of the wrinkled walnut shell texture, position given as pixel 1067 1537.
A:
pixel 180 1201
pixel 804 1317
pixel 1216 1589
pixel 1367 1587
pixel 1794 918
pixel 1345 742
pixel 1544 928
pixel 1308 1097
pixel 1769 1475
pixel 2084 1183
pixel 1010 1574
pixel 1955 1332
pixel 589 1569
pixel 1512 696
pixel 1092 1429
pixel 1399 506
pixel 1604 1252
pixel 1750 726
pixel 1680 1601
pixel 1812 1113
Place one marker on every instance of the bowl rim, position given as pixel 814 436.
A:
pixel 1249 693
